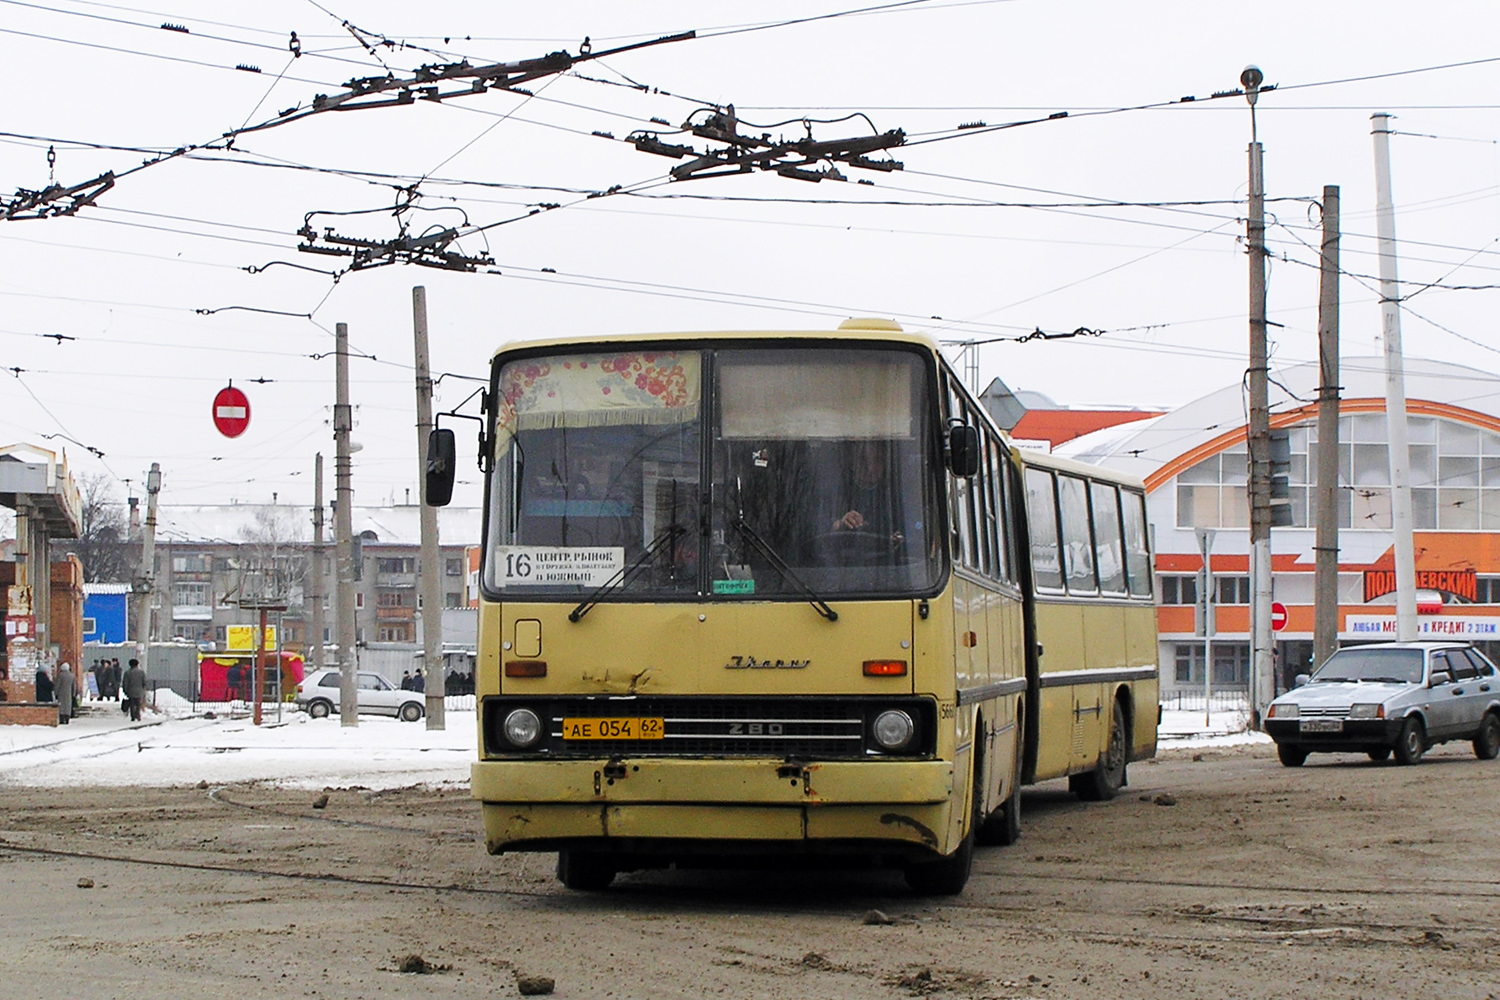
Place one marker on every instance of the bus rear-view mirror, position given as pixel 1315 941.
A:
pixel 442 453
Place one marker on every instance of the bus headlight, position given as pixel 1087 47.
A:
pixel 892 729
pixel 522 728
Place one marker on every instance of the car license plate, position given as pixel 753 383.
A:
pixel 1322 725
pixel 613 729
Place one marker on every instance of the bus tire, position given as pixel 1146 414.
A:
pixel 948 875
pixel 1108 776
pixel 584 871
pixel 1003 827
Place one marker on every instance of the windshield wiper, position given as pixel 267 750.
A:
pixel 622 578
pixel 779 564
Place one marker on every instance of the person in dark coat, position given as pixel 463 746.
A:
pixel 133 687
pixel 64 690
pixel 232 682
pixel 44 690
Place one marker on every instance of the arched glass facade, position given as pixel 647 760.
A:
pixel 1455 478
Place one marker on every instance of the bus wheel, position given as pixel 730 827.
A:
pixel 1003 827
pixel 584 871
pixel 1108 776
pixel 948 875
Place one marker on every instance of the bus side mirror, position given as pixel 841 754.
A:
pixel 441 456
pixel 963 450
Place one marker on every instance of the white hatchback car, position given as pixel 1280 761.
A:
pixel 318 695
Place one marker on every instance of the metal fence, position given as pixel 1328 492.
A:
pixel 1220 701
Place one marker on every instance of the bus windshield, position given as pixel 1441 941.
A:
pixel 820 474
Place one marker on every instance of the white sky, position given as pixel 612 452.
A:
pixel 1168 285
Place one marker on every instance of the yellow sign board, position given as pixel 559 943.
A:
pixel 242 637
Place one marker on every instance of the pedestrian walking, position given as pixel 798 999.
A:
pixel 232 681
pixel 44 691
pixel 64 689
pixel 133 686
pixel 419 681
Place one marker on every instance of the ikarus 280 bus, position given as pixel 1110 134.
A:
pixel 783 593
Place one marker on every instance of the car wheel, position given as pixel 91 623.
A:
pixel 1291 755
pixel 1412 742
pixel 1378 755
pixel 1487 740
pixel 411 712
pixel 1108 776
pixel 319 709
pixel 584 871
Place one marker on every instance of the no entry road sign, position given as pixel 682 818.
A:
pixel 231 412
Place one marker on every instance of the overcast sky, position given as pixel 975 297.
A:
pixel 119 318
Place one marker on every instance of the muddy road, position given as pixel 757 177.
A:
pixel 1216 874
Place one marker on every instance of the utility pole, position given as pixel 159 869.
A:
pixel 432 580
pixel 145 579
pixel 319 565
pixel 1326 543
pixel 1395 388
pixel 343 529
pixel 1262 653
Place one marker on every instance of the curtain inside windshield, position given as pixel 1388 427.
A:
pixel 823 477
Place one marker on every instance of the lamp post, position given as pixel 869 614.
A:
pixel 1258 430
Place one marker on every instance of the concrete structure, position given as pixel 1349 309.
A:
pixel 43 601
pixel 1193 460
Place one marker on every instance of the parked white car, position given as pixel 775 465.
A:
pixel 1399 697
pixel 318 695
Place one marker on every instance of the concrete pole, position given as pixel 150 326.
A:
pixel 343 529
pixel 319 567
pixel 1259 434
pixel 1326 544
pixel 147 577
pixel 1395 388
pixel 432 569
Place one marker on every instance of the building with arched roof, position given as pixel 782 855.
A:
pixel 1194 462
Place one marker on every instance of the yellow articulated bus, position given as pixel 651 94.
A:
pixel 749 594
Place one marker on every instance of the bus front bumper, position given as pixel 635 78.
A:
pixel 547 804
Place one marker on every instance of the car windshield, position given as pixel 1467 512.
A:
pixel 1400 666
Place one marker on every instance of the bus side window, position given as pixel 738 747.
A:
pixel 1137 551
pixel 995 469
pixel 984 535
pixel 1078 544
pixel 1041 510
pixel 1109 550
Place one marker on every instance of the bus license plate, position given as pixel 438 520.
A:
pixel 613 729
pixel 1322 725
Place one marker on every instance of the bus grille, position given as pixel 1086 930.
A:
pixel 702 726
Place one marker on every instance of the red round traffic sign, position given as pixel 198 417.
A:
pixel 1278 616
pixel 231 412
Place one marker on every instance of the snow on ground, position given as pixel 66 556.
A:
pixel 180 745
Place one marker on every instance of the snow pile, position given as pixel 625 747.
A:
pixel 106 748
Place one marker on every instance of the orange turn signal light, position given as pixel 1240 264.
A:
pixel 885 668
pixel 526 668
